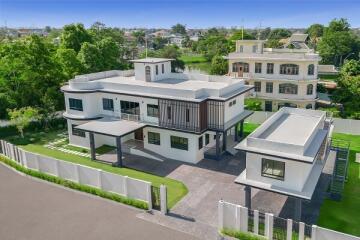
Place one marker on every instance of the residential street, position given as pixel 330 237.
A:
pixel 31 209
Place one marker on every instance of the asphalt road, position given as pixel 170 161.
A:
pixel 31 209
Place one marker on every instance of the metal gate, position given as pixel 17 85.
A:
pixel 155 197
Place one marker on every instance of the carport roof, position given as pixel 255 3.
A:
pixel 111 126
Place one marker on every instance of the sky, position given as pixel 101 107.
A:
pixel 165 13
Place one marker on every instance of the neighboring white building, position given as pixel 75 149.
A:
pixel 287 153
pixel 282 77
pixel 175 115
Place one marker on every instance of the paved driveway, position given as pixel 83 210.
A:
pixel 31 209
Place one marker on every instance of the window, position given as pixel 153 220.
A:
pixel 269 87
pixel 257 67
pixel 108 104
pixel 291 105
pixel 270 68
pixel 179 142
pixel 75 104
pixel 152 110
pixel 77 132
pixel 309 106
pixel 187 115
pixel 288 88
pixel 257 86
pixel 154 138
pixel 168 112
pixel 241 48
pixel 240 67
pixel 254 48
pixel 200 142
pixel 207 138
pixel 273 169
pixel 311 69
pixel 156 69
pixel 162 68
pixel 232 103
pixel 130 107
pixel 147 74
pixel 289 69
pixel 309 89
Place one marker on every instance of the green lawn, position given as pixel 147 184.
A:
pixel 193 58
pixel 34 142
pixel 344 216
pixel 249 128
pixel 328 77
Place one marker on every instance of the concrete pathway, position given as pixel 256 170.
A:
pixel 33 209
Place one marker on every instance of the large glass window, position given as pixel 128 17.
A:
pixel 269 87
pixel 257 86
pixel 154 138
pixel 207 138
pixel 130 107
pixel 309 89
pixel 311 69
pixel 156 69
pixel 162 68
pixel 152 110
pixel 108 104
pixel 200 142
pixel 240 67
pixel 288 88
pixel 77 132
pixel 257 67
pixel 75 104
pixel 148 74
pixel 289 69
pixel 179 142
pixel 270 68
pixel 273 169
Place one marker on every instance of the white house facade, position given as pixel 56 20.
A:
pixel 178 116
pixel 281 77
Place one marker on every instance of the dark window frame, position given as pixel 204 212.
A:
pixel 288 88
pixel 76 104
pixel 108 104
pixel 258 67
pixel 152 110
pixel 187 115
pixel 156 69
pixel 271 163
pixel 207 138
pixel 162 68
pixel 168 112
pixel 77 132
pixel 269 87
pixel 289 69
pixel 311 69
pixel 179 143
pixel 270 70
pixel 201 142
pixel 257 86
pixel 309 89
pixel 129 107
pixel 154 138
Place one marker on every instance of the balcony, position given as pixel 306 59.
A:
pixel 130 117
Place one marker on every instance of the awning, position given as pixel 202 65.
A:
pixel 244 114
pixel 111 126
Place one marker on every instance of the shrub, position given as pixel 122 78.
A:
pixel 241 235
pixel 74 185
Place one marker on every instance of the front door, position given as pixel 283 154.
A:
pixel 139 134
pixel 268 106
pixel 240 70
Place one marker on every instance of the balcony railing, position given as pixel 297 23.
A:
pixel 130 117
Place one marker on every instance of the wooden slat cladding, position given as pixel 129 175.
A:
pixel 180 115
pixel 215 115
pixel 203 116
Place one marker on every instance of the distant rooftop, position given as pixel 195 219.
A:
pixel 152 60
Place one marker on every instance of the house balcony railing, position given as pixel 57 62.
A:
pixel 130 117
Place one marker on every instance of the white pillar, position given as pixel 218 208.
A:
pixel 221 215
pixel 289 229
pixel 149 198
pixel 244 219
pixel 37 164
pixel 24 158
pixel 301 230
pixel 256 221
pixel 125 186
pixel 57 173
pixel 100 178
pixel 313 232
pixel 269 222
pixel 238 217
pixel 163 199
pixel 77 173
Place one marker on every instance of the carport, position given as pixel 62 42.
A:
pixel 113 127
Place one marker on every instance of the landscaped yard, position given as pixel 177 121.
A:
pixel 344 216
pixel 35 141
pixel 193 58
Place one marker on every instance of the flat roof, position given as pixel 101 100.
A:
pixel 152 60
pixel 111 126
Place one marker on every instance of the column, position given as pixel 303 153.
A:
pixel 241 129
pixel 224 140
pixel 236 132
pixel 217 138
pixel 297 215
pixel 118 152
pixel 92 146
pixel 247 190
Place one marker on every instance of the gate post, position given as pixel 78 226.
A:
pixel 163 199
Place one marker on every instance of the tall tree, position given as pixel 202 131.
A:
pixel 22 117
pixel 219 65
pixel 74 35
pixel 178 29
pixel 315 31
pixel 70 64
pixel 279 33
pixel 89 57
pixel 338 43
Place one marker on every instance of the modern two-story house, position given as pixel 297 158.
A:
pixel 281 77
pixel 179 116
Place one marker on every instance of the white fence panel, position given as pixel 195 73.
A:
pixel 112 183
pixel 137 189
pixel 89 176
pixel 327 234
pixel 68 171
pixel 229 220
pixel 48 165
pixel 31 160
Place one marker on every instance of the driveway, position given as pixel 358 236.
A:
pixel 33 209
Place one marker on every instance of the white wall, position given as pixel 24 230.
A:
pixel 295 172
pixel 140 71
pixel 234 110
